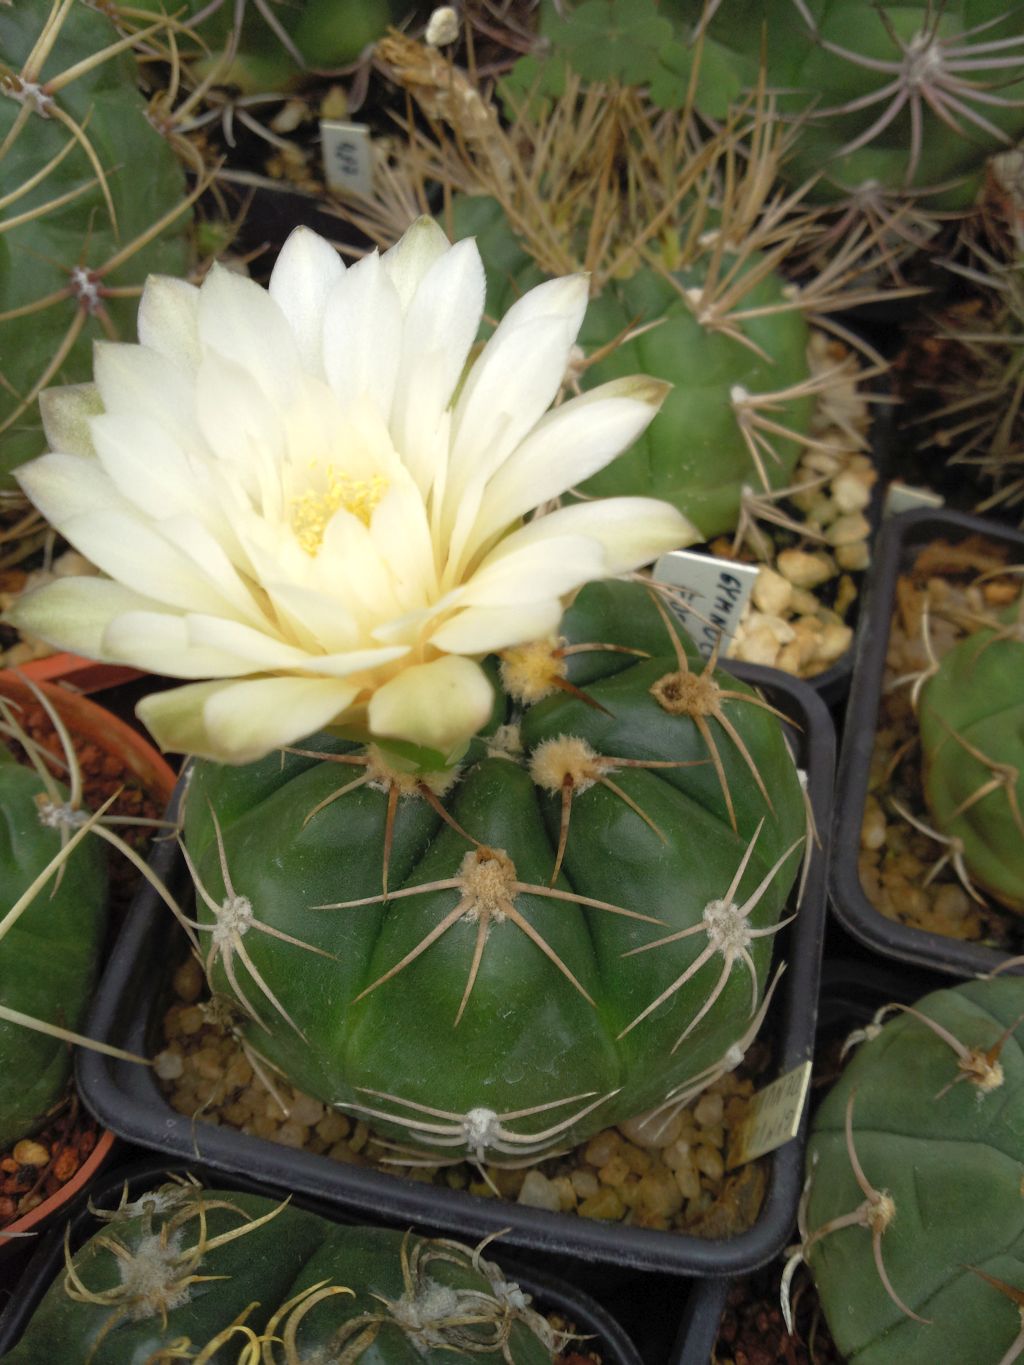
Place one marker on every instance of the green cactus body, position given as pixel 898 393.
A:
pixel 49 956
pixel 902 96
pixel 479 1000
pixel 324 33
pixel 333 1293
pixel 695 454
pixel 971 721
pixel 949 1153
pixel 64 266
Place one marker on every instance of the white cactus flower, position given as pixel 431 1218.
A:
pixel 306 499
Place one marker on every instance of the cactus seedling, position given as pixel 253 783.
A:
pixel 913 1205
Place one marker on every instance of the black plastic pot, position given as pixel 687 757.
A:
pixel 127 1098
pixel 902 536
pixel 851 992
pixel 550 1294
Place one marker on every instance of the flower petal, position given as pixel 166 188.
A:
pixel 168 320
pixel 134 379
pixel 240 320
pixel 440 705
pixel 363 334
pixel 536 570
pixel 238 722
pixel 406 263
pixel 73 613
pixel 159 643
pixel 481 630
pixel 630 531
pixel 66 412
pixel 304 274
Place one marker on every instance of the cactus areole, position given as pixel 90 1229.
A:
pixel 914 1219
pixel 570 927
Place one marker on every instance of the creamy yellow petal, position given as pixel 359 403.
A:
pixel 439 705
pixel 169 320
pixel 73 613
pixel 66 411
pixel 303 275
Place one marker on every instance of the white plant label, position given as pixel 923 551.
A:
pixel 773 1117
pixel 348 156
pixel 710 595
pixel 902 497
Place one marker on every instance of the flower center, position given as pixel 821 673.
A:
pixel 312 510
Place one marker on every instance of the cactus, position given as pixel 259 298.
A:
pixel 684 243
pixel 52 937
pixel 895 97
pixel 93 197
pixel 913 1222
pixel 503 958
pixel 262 46
pixel 286 1286
pixel 972 738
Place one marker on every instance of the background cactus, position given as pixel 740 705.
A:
pixel 49 953
pixel 916 94
pixel 684 237
pixel 511 1007
pixel 93 201
pixel 972 737
pixel 914 1195
pixel 286 1281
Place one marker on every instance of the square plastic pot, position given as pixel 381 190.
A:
pixel 851 992
pixel 901 537
pixel 127 1098
pixel 550 1294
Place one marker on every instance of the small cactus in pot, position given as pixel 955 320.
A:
pixel 912 1222
pixel 969 712
pixel 225 1274
pixel 491 829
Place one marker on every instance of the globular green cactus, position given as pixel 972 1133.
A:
pixel 971 720
pixel 51 934
pixel 889 98
pixel 569 928
pixel 92 200
pixel 913 1219
pixel 185 1273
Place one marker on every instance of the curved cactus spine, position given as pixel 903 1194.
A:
pixel 912 1222
pixel 289 1285
pixel 969 715
pixel 93 202
pixel 579 918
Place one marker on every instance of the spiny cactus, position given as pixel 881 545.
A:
pixel 913 1219
pixel 895 97
pixel 53 854
pixel 53 926
pixel 93 202
pixel 186 1273
pixel 571 927
pixel 971 718
pixel 684 237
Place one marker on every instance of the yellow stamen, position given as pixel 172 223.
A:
pixel 312 510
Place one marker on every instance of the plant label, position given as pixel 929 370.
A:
pixel 902 497
pixel 347 156
pixel 708 595
pixel 772 1119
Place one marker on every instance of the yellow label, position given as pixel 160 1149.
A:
pixel 772 1118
